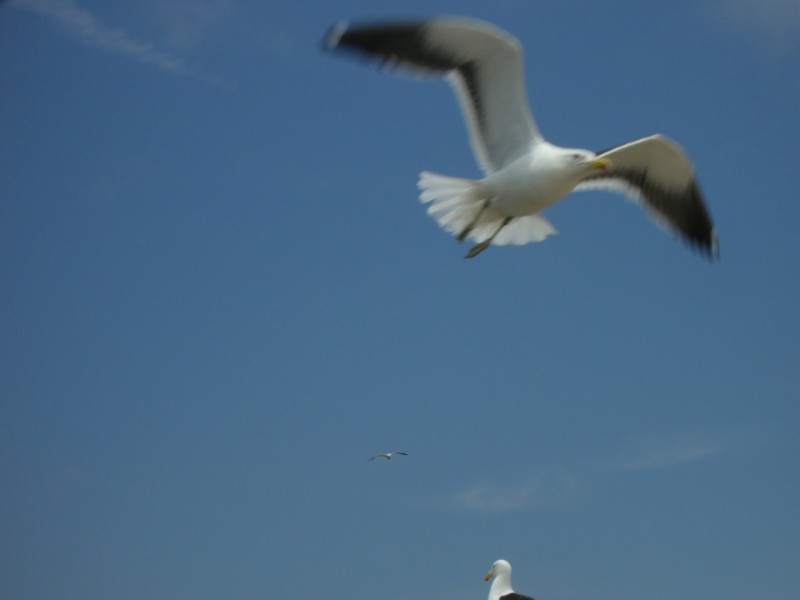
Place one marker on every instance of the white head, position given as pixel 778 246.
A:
pixel 501 572
pixel 584 161
pixel 558 170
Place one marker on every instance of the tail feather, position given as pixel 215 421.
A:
pixel 443 206
pixel 455 202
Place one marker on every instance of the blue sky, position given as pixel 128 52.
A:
pixel 221 297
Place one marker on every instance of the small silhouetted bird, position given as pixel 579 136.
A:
pixel 388 455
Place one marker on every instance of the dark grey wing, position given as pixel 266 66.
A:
pixel 655 171
pixel 483 64
pixel 515 596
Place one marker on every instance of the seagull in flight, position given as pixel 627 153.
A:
pixel 523 173
pixel 388 455
pixel 501 586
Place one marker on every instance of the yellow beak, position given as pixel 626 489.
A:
pixel 489 575
pixel 602 164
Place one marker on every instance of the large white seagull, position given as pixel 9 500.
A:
pixel 524 173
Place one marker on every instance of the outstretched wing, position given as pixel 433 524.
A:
pixel 483 64
pixel 655 171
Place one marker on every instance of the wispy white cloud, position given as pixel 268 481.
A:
pixel 663 452
pixel 92 31
pixel 775 24
pixel 549 490
pixel 189 24
pixel 555 487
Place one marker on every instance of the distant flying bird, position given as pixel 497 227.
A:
pixel 524 173
pixel 388 455
pixel 501 586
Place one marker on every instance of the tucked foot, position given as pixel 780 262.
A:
pixel 477 249
pixel 468 229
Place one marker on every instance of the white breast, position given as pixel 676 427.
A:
pixel 531 183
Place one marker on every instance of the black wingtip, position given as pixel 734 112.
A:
pixel 699 230
pixel 706 245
